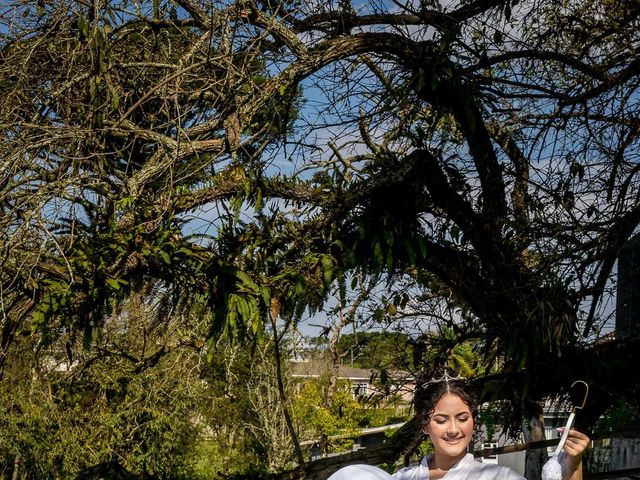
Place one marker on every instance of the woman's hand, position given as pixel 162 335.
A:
pixel 575 446
pixel 577 442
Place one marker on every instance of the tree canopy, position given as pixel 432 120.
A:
pixel 484 149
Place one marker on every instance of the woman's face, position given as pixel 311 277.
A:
pixel 450 426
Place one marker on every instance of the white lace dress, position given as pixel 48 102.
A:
pixel 466 469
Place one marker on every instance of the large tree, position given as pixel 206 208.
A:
pixel 484 148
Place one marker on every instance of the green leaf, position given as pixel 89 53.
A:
pixel 378 254
pixel 266 295
pixel 258 202
pixel 100 40
pixel 83 26
pixel 115 100
pixel 362 231
pixel 246 281
pixel 388 237
pixel 328 268
pixel 411 253
pixel 422 245
pixel 92 89
pixel 232 314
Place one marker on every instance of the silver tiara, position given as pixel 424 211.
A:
pixel 444 378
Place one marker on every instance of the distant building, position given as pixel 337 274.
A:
pixel 628 295
pixel 364 382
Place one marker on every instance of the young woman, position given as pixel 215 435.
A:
pixel 448 407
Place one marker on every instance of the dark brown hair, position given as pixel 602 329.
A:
pixel 433 390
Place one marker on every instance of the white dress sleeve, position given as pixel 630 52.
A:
pixel 360 472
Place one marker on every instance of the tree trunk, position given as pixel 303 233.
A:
pixel 535 458
pixel 335 359
pixel 16 467
pixel 282 393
